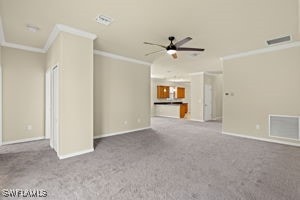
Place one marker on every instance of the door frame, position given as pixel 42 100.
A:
pixel 204 102
pixel 49 122
pixel 1 107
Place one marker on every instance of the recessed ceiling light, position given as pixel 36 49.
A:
pixel 105 20
pixel 32 28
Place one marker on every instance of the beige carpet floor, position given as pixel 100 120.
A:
pixel 175 160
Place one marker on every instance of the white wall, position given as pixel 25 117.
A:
pixel 299 18
pixel 262 84
pixel 216 82
pixel 23 94
pixel 197 84
pixel 74 56
pixel 197 95
pixel 121 96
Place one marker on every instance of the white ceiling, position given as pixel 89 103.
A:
pixel 221 27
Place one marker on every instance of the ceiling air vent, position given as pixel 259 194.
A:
pixel 279 40
pixel 101 19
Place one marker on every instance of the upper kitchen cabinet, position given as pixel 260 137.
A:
pixel 180 93
pixel 163 92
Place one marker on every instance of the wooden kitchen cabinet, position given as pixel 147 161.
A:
pixel 183 109
pixel 163 92
pixel 180 93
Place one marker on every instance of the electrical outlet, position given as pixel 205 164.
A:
pixel 29 127
pixel 257 126
pixel 125 122
pixel 139 120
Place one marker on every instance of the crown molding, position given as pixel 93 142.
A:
pixel 196 73
pixel 54 33
pixel 56 30
pixel 75 31
pixel 118 57
pixel 261 51
pixel 212 74
pixel 23 47
pixel 67 29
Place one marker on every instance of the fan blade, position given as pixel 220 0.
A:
pixel 189 49
pixel 155 44
pixel 182 42
pixel 174 55
pixel 153 52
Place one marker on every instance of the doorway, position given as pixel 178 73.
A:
pixel 52 107
pixel 1 111
pixel 207 102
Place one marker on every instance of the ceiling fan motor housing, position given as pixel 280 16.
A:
pixel 171 46
pixel 171 38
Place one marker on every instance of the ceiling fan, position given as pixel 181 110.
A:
pixel 173 48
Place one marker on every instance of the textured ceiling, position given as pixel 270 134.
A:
pixel 221 27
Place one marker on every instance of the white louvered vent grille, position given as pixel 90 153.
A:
pixel 284 126
pixel 279 40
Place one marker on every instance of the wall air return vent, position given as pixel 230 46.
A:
pixel 279 40
pixel 284 126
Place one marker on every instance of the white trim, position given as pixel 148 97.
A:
pixel 197 120
pixel 23 140
pixel 75 31
pixel 48 104
pixel 290 116
pixel 212 74
pixel 263 50
pixel 196 73
pixel 55 146
pixel 1 110
pixel 118 57
pixel 51 38
pixel 23 47
pixel 217 118
pixel 75 154
pixel 167 116
pixel 2 38
pixel 64 28
pixel 121 132
pixel 262 139
pixel 203 98
pixel 56 30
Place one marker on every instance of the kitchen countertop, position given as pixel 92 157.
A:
pixel 168 103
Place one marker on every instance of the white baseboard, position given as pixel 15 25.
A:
pixel 23 140
pixel 262 139
pixel 197 120
pixel 217 118
pixel 167 116
pixel 120 133
pixel 75 154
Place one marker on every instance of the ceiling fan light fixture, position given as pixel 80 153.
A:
pixel 171 51
pixel 173 48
